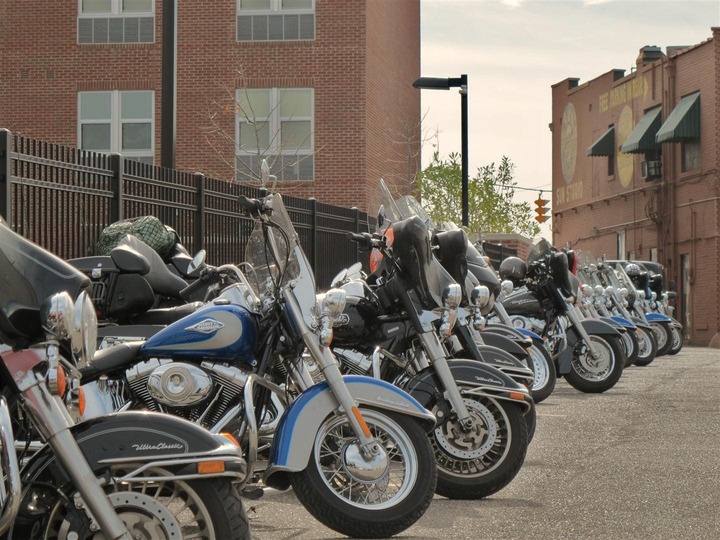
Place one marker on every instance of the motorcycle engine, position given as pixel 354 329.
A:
pixel 354 361
pixel 187 390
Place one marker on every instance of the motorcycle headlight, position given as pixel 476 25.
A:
pixel 586 290
pixel 641 295
pixel 58 316
pixel 481 296
pixel 85 338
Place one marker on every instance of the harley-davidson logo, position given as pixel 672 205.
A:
pixel 159 446
pixel 341 320
pixel 208 326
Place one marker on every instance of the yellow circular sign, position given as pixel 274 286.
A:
pixel 625 162
pixel 568 142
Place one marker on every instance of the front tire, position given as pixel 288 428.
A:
pixel 594 376
pixel 155 510
pixel 648 347
pixel 632 347
pixel 663 337
pixel 544 375
pixel 479 463
pixel 677 341
pixel 356 502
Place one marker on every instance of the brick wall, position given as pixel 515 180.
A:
pixel 680 213
pixel 361 65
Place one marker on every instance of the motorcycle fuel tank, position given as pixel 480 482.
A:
pixel 522 302
pixel 221 332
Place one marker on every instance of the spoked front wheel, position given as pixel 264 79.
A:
pixel 663 337
pixel 677 341
pixel 647 347
pixel 368 496
pixel 479 461
pixel 160 510
pixel 544 375
pixel 593 375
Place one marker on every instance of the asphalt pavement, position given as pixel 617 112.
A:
pixel 641 461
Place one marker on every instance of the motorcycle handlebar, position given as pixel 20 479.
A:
pixel 366 240
pixel 196 285
pixel 250 206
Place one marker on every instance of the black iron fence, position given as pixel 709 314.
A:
pixel 62 198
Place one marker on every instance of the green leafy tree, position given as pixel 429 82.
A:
pixel 491 208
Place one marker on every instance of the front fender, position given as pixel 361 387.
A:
pixel 622 321
pixel 617 325
pixel 506 343
pixel 640 323
pixel 295 435
pixel 476 378
pixel 134 441
pixel 657 317
pixel 123 447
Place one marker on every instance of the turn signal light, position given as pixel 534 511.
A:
pixel 230 438
pixel 517 395
pixel 61 381
pixel 211 467
pixel 81 400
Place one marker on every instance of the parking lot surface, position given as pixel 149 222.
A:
pixel 641 461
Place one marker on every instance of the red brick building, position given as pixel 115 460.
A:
pixel 636 161
pixel 321 88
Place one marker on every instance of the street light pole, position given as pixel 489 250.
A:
pixel 464 151
pixel 435 83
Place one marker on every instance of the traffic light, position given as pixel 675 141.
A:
pixel 541 209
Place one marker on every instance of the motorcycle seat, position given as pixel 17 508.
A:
pixel 111 359
pixel 169 315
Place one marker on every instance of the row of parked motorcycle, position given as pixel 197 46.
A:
pixel 203 385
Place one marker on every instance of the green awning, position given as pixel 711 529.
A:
pixel 683 123
pixel 642 138
pixel 605 145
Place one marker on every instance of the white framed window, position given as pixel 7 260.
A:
pixel 119 121
pixel 621 245
pixel 116 21
pixel 275 20
pixel 276 124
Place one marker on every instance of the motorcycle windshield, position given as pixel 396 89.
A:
pixel 436 278
pixel 587 268
pixel 30 275
pixel 403 207
pixel 276 256
pixel 539 250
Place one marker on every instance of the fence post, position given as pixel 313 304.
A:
pixel 200 216
pixel 115 161
pixel 5 180
pixel 313 233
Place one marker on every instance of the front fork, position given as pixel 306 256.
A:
pixel 53 422
pixel 574 317
pixel 331 370
pixel 438 359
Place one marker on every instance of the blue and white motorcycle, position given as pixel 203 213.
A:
pixel 353 448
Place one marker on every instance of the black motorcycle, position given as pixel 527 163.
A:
pixel 128 475
pixel 587 352
pixel 393 326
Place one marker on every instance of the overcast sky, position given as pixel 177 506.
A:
pixel 514 50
